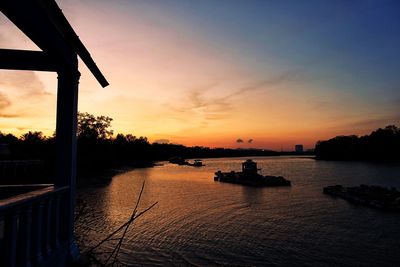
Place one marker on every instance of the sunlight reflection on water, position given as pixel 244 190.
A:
pixel 201 222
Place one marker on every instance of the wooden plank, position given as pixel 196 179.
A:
pixel 58 19
pixel 26 60
pixel 45 24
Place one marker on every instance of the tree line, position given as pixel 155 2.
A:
pixel 98 148
pixel 382 144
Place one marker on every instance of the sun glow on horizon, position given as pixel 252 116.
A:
pixel 209 74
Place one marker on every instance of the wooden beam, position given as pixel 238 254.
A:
pixel 31 19
pixel 56 16
pixel 26 60
pixel 45 24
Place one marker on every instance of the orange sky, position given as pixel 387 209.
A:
pixel 171 80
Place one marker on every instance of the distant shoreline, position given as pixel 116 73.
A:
pixel 381 145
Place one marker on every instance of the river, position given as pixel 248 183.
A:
pixel 199 222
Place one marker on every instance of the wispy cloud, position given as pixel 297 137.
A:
pixel 360 126
pixel 200 105
pixel 9 115
pixel 5 102
pixel 380 121
pixel 27 82
pixel 273 81
pixel 208 107
pixel 162 141
pixel 19 87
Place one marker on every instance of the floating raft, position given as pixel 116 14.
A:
pixel 373 196
pixel 249 176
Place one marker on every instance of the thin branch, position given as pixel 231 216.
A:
pixel 116 249
pixel 121 227
pixel 126 225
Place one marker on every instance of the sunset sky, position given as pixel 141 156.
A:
pixel 210 72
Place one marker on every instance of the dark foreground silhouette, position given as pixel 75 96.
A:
pixel 31 156
pixel 380 145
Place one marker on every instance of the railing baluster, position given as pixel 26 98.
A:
pixel 56 221
pixel 48 227
pixel 24 238
pixel 10 238
pixel 2 245
pixel 37 233
pixel 63 233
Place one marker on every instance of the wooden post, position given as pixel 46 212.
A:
pixel 67 105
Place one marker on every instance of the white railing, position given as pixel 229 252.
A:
pixel 32 231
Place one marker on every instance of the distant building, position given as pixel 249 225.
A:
pixel 299 148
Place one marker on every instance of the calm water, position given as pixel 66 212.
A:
pixel 201 222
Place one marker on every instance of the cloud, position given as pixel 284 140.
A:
pixel 23 128
pixel 362 126
pixel 5 102
pixel 27 82
pixel 273 81
pixel 21 94
pixel 217 107
pixel 223 103
pixel 376 122
pixel 200 107
pixel 211 107
pixel 162 141
pixel 9 116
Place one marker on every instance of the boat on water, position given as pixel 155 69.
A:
pixel 250 176
pixel 197 163
pixel 178 160
pixel 182 161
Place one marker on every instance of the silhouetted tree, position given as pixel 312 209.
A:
pixel 92 127
pixel 8 138
pixel 33 137
pixel 380 145
pixel 130 138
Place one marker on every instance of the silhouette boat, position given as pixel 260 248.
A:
pixel 181 161
pixel 197 163
pixel 178 160
pixel 249 176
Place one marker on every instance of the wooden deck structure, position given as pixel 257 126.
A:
pixel 37 223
